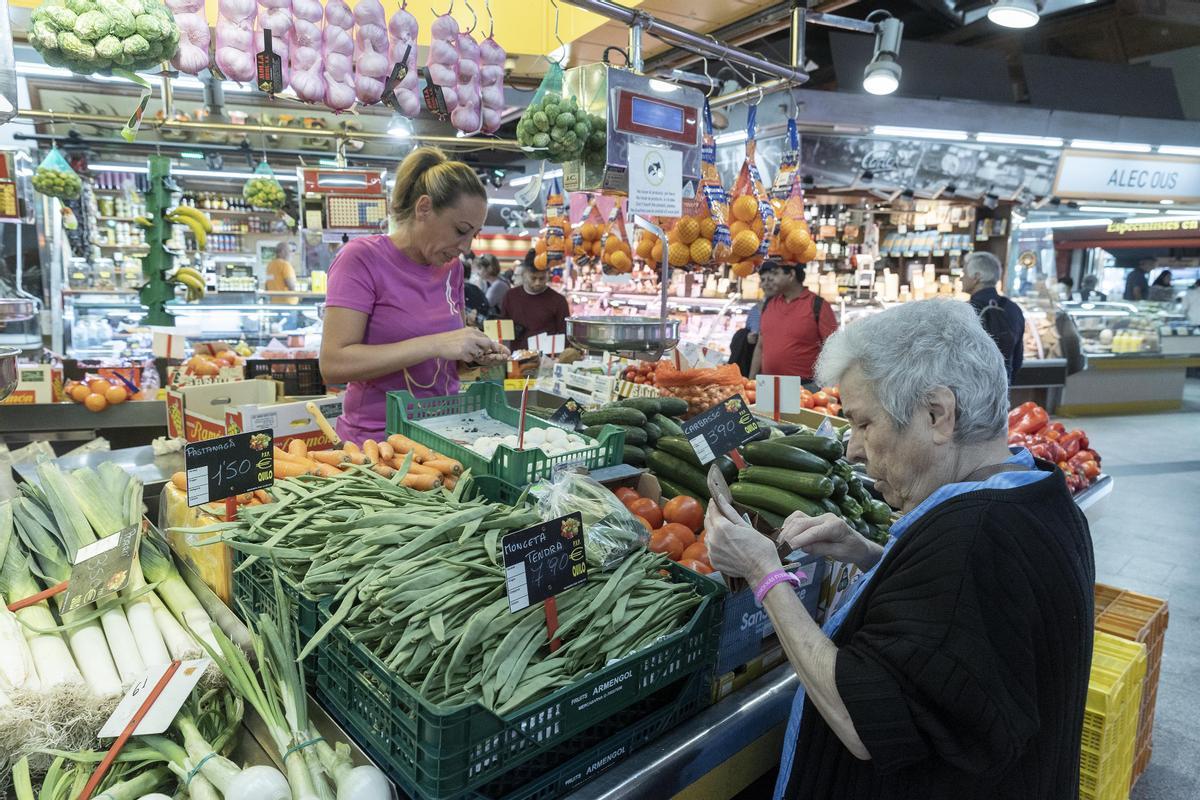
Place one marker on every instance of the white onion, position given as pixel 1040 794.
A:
pixel 259 783
pixel 365 783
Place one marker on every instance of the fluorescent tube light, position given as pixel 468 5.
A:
pixel 731 137
pixel 1016 138
pixel 920 133
pixel 1051 224
pixel 1116 210
pixel 1122 147
pixel 525 180
pixel 1173 150
pixel 501 201
pixel 1149 220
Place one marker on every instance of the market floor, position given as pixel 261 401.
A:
pixel 1146 536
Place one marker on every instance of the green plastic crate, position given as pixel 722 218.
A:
pixel 586 755
pixel 494 490
pixel 518 467
pixel 254 594
pixel 447 752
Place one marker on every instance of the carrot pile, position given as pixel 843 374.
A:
pixel 428 470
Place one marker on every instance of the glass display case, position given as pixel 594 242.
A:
pixel 1116 327
pixel 98 324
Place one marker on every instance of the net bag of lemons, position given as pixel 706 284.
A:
pixel 55 178
pixel 264 190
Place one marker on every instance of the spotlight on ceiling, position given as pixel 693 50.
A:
pixel 1014 13
pixel 882 75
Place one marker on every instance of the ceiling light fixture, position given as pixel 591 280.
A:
pixel 400 127
pixel 1152 220
pixel 525 180
pixel 1016 138
pixel 1051 224
pixel 1117 210
pixel 1014 13
pixel 1122 147
pixel 920 133
pixel 1174 150
pixel 1166 202
pixel 882 75
pixel 730 138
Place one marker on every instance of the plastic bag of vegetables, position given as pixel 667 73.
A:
pixel 700 388
pixel 86 36
pixel 553 126
pixel 610 531
pixel 264 190
pixel 55 178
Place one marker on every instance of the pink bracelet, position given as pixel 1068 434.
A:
pixel 771 581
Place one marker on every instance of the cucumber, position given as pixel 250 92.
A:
pixel 843 470
pixel 824 446
pixel 840 488
pixel 774 499
pixel 614 415
pixel 678 471
pixel 859 492
pixel 672 406
pixel 653 431
pixel 877 512
pixel 831 507
pixel 770 454
pixel 646 405
pixel 805 484
pixel 861 526
pixel 671 489
pixel 681 448
pixel 669 426
pixel 633 435
pixel 769 517
pixel 634 456
pixel 851 508
pixel 592 431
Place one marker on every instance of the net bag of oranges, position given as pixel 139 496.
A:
pixel 793 241
pixel 700 238
pixel 585 241
pixel 550 248
pixel 702 388
pixel 649 246
pixel 751 218
pixel 616 255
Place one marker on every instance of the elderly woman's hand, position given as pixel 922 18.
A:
pixel 828 535
pixel 738 551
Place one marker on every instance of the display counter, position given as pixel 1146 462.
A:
pixel 1040 380
pixel 1128 383
pixel 132 423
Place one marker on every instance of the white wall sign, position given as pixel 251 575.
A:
pixel 655 181
pixel 1127 176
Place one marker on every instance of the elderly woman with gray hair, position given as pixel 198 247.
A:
pixel 957 668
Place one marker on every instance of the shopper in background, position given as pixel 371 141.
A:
pixel 487 271
pixel 1088 292
pixel 496 290
pixel 281 275
pixel 795 324
pixel 394 312
pixel 958 666
pixel 1161 290
pixel 1000 317
pixel 475 298
pixel 1191 304
pixel 1137 285
pixel 1066 289
pixel 741 346
pixel 534 307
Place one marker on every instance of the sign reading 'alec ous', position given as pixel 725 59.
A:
pixel 1126 176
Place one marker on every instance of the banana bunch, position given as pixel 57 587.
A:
pixel 192 280
pixel 197 221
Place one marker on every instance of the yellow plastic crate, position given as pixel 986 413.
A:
pixel 1111 717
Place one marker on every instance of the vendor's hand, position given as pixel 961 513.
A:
pixel 468 344
pixel 738 550
pixel 829 535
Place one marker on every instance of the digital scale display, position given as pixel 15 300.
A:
pixel 650 114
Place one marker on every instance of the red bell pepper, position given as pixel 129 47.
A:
pixel 1015 415
pixel 1039 451
pixel 1057 426
pixel 1055 453
pixel 1050 433
pixel 1033 421
pixel 1072 442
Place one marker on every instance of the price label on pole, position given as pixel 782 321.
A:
pixel 101 568
pixel 724 427
pixel 544 560
pixel 229 466
pixel 164 707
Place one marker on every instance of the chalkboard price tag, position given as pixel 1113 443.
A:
pixel 724 427
pixel 101 569
pixel 228 466
pixel 568 415
pixel 544 560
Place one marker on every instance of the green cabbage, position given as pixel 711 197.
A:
pixel 61 18
pixel 96 35
pixel 151 27
pixel 45 34
pixel 81 6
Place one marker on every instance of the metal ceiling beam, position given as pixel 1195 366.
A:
pixel 685 38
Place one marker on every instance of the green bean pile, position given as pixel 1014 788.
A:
pixel 418 579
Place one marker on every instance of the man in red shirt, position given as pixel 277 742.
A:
pixel 795 324
pixel 534 307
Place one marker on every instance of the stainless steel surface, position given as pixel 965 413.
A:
pixel 140 462
pixel 638 335
pixel 841 23
pixel 8 370
pixel 680 36
pixel 1089 497
pixel 700 745
pixel 635 47
pixel 73 417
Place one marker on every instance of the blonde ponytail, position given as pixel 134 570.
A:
pixel 427 171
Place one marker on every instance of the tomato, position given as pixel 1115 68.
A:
pixel 663 541
pixel 835 408
pixel 646 523
pixel 645 507
pixel 697 552
pixel 807 401
pixel 687 511
pixel 820 398
pixel 696 566
pixel 752 396
pixel 626 495
pixel 640 379
pixel 832 391
pixel 681 532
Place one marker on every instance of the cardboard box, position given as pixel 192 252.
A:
pixel 212 562
pixel 36 383
pixel 207 411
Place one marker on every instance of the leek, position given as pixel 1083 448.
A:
pixel 159 569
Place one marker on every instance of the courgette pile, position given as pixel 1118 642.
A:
pixel 645 420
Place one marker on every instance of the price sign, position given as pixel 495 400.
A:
pixel 268 67
pixel 568 415
pixel 164 708
pixel 101 569
pixel 228 466
pixel 544 560
pixel 724 427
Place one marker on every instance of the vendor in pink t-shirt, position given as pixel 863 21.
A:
pixel 394 302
